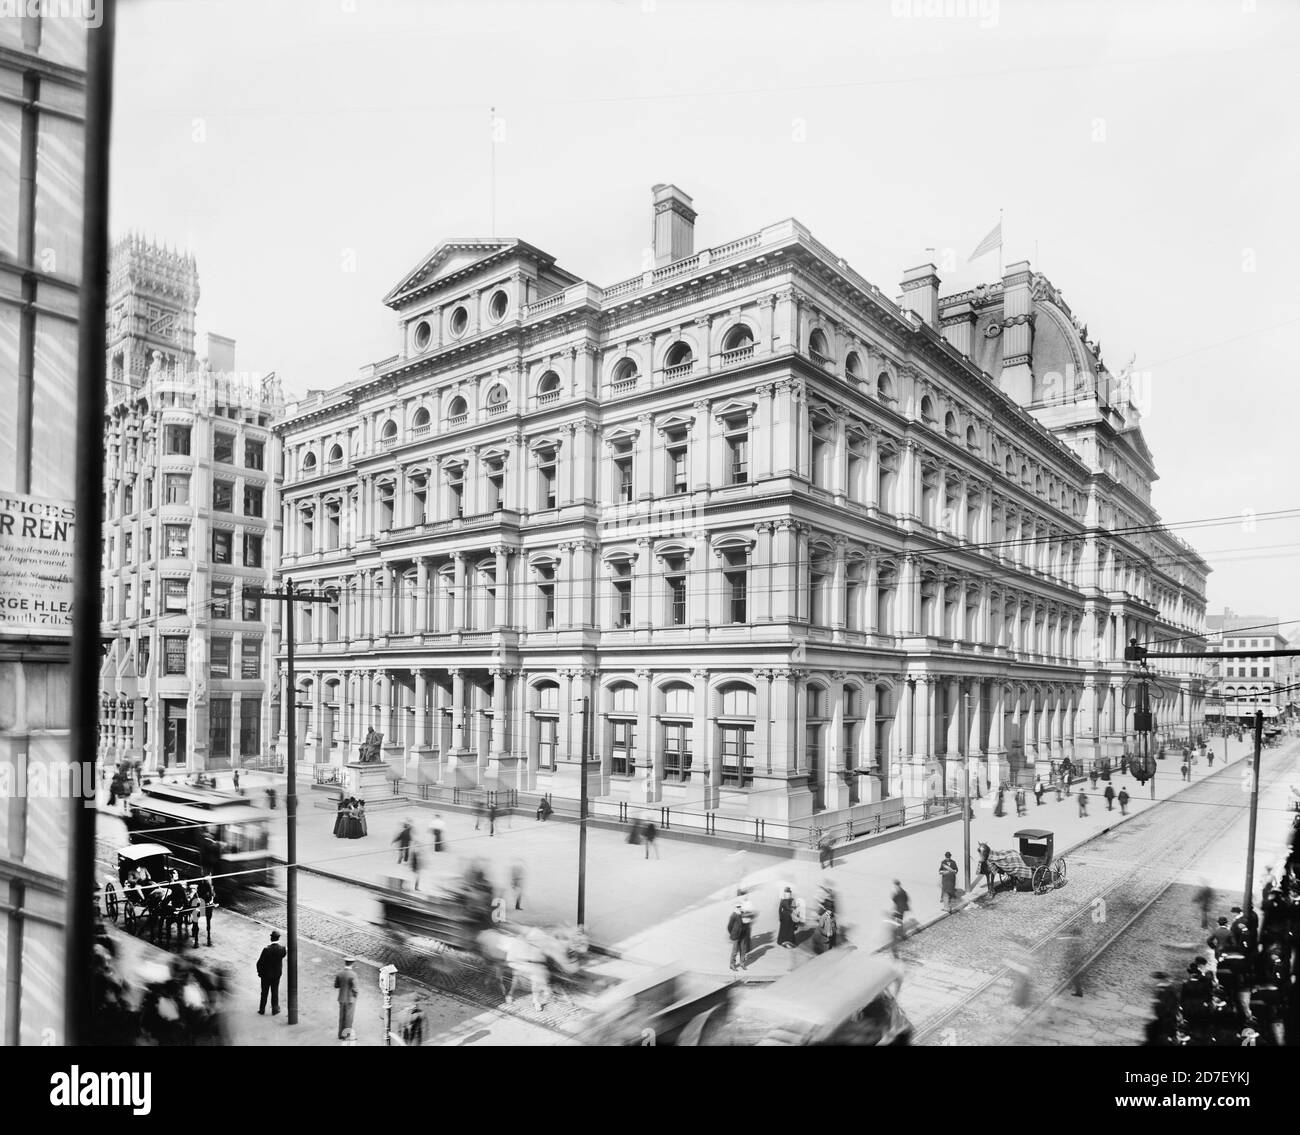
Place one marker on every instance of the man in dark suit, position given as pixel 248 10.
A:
pixel 345 981
pixel 270 965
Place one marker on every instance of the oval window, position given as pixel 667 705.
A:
pixel 498 305
pixel 423 335
pixel 459 321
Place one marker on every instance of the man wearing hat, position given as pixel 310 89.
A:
pixel 270 965
pixel 345 981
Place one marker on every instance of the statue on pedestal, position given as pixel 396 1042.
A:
pixel 369 751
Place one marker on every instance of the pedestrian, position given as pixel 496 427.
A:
pixel 1038 792
pixel 787 935
pixel 341 814
pixel 738 932
pixel 648 837
pixel 480 810
pixel 1204 899
pixel 517 882
pixel 895 931
pixel 634 836
pixel 359 812
pixel 435 831
pixel 902 904
pixel 1209 758
pixel 345 981
pixel 270 798
pixel 413 1030
pixel 492 817
pixel 1021 802
pixel 235 778
pixel 1220 939
pixel 402 841
pixel 1061 791
pixel 1110 797
pixel 544 809
pixel 415 867
pixel 1093 777
pixel 1083 804
pixel 1187 772
pixel 1072 936
pixel 270 966
pixel 1123 801
pixel 999 809
pixel 826 852
pixel 826 934
pixel 208 893
pixel 947 881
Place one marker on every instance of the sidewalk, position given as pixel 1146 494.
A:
pixel 675 908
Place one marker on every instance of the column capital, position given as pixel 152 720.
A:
pixel 701 673
pixel 643 675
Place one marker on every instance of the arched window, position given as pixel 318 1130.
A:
pixel 1038 484
pixel 853 367
pixel 818 350
pixel 457 412
pixel 421 420
pixel 739 338
pixel 735 713
pixel 950 424
pixel 927 409
pixel 624 372
pixel 885 386
pixel 389 431
pixel 679 360
pixel 678 711
pixel 1024 474
pixel 546 721
pixel 1010 466
pixel 498 400
pixel 621 728
pixel 308 461
pixel 548 387
pixel 336 454
pixel 972 439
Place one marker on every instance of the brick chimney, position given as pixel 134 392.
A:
pixel 673 235
pixel 920 289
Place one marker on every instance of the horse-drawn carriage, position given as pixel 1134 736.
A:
pixel 148 892
pixel 1032 867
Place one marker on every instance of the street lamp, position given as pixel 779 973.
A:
pixel 582 821
pixel 965 811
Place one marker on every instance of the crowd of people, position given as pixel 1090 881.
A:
pixel 1241 989
pixel 794 928
pixel 350 819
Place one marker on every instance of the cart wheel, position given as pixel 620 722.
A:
pixel 110 901
pixel 1042 880
pixel 1058 873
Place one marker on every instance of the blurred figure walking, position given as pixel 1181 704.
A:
pixel 648 838
pixel 517 882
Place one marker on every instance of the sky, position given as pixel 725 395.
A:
pixel 1143 155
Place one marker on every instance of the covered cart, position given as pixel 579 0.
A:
pixel 1032 866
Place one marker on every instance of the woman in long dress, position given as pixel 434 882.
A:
pixel 341 819
pixel 787 934
pixel 362 830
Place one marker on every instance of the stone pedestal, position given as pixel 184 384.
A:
pixel 460 769
pixel 367 781
pixel 566 779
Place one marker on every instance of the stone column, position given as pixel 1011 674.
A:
pixel 838 620
pixel 421 595
pixel 840 470
pixel 460 592
pixel 699 457
pixel 421 708
pixel 706 762
pixel 501 614
pixel 763 725
pixel 500 714
pixel 643 584
pixel 648 782
pixel 784 573
pixel 458 711
pixel 760 442
pixel 835 787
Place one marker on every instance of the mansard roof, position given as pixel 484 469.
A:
pixel 458 258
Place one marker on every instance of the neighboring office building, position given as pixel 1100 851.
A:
pixel 42 122
pixel 1244 685
pixel 191 523
pixel 797 549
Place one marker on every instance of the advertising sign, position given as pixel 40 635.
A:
pixel 36 546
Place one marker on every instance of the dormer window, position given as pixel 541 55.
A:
pixel 738 346
pixel 548 388
pixel 818 349
pixel 679 361
pixel 624 376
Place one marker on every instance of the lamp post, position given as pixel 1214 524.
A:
pixel 965 811
pixel 582 821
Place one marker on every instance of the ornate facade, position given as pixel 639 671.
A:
pixel 191 522
pixel 796 547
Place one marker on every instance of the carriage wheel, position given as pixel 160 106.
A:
pixel 110 901
pixel 1058 873
pixel 1042 880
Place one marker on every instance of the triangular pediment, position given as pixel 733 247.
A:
pixel 447 258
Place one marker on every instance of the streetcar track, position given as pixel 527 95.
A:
pixel 967 1003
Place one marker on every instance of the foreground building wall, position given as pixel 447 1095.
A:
pixel 42 100
pixel 799 551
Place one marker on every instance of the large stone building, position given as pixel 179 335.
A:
pixel 42 124
pixel 801 547
pixel 191 523
pixel 1240 686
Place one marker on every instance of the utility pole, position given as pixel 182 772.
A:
pixel 1254 815
pixel 582 823
pixel 289 597
pixel 965 812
